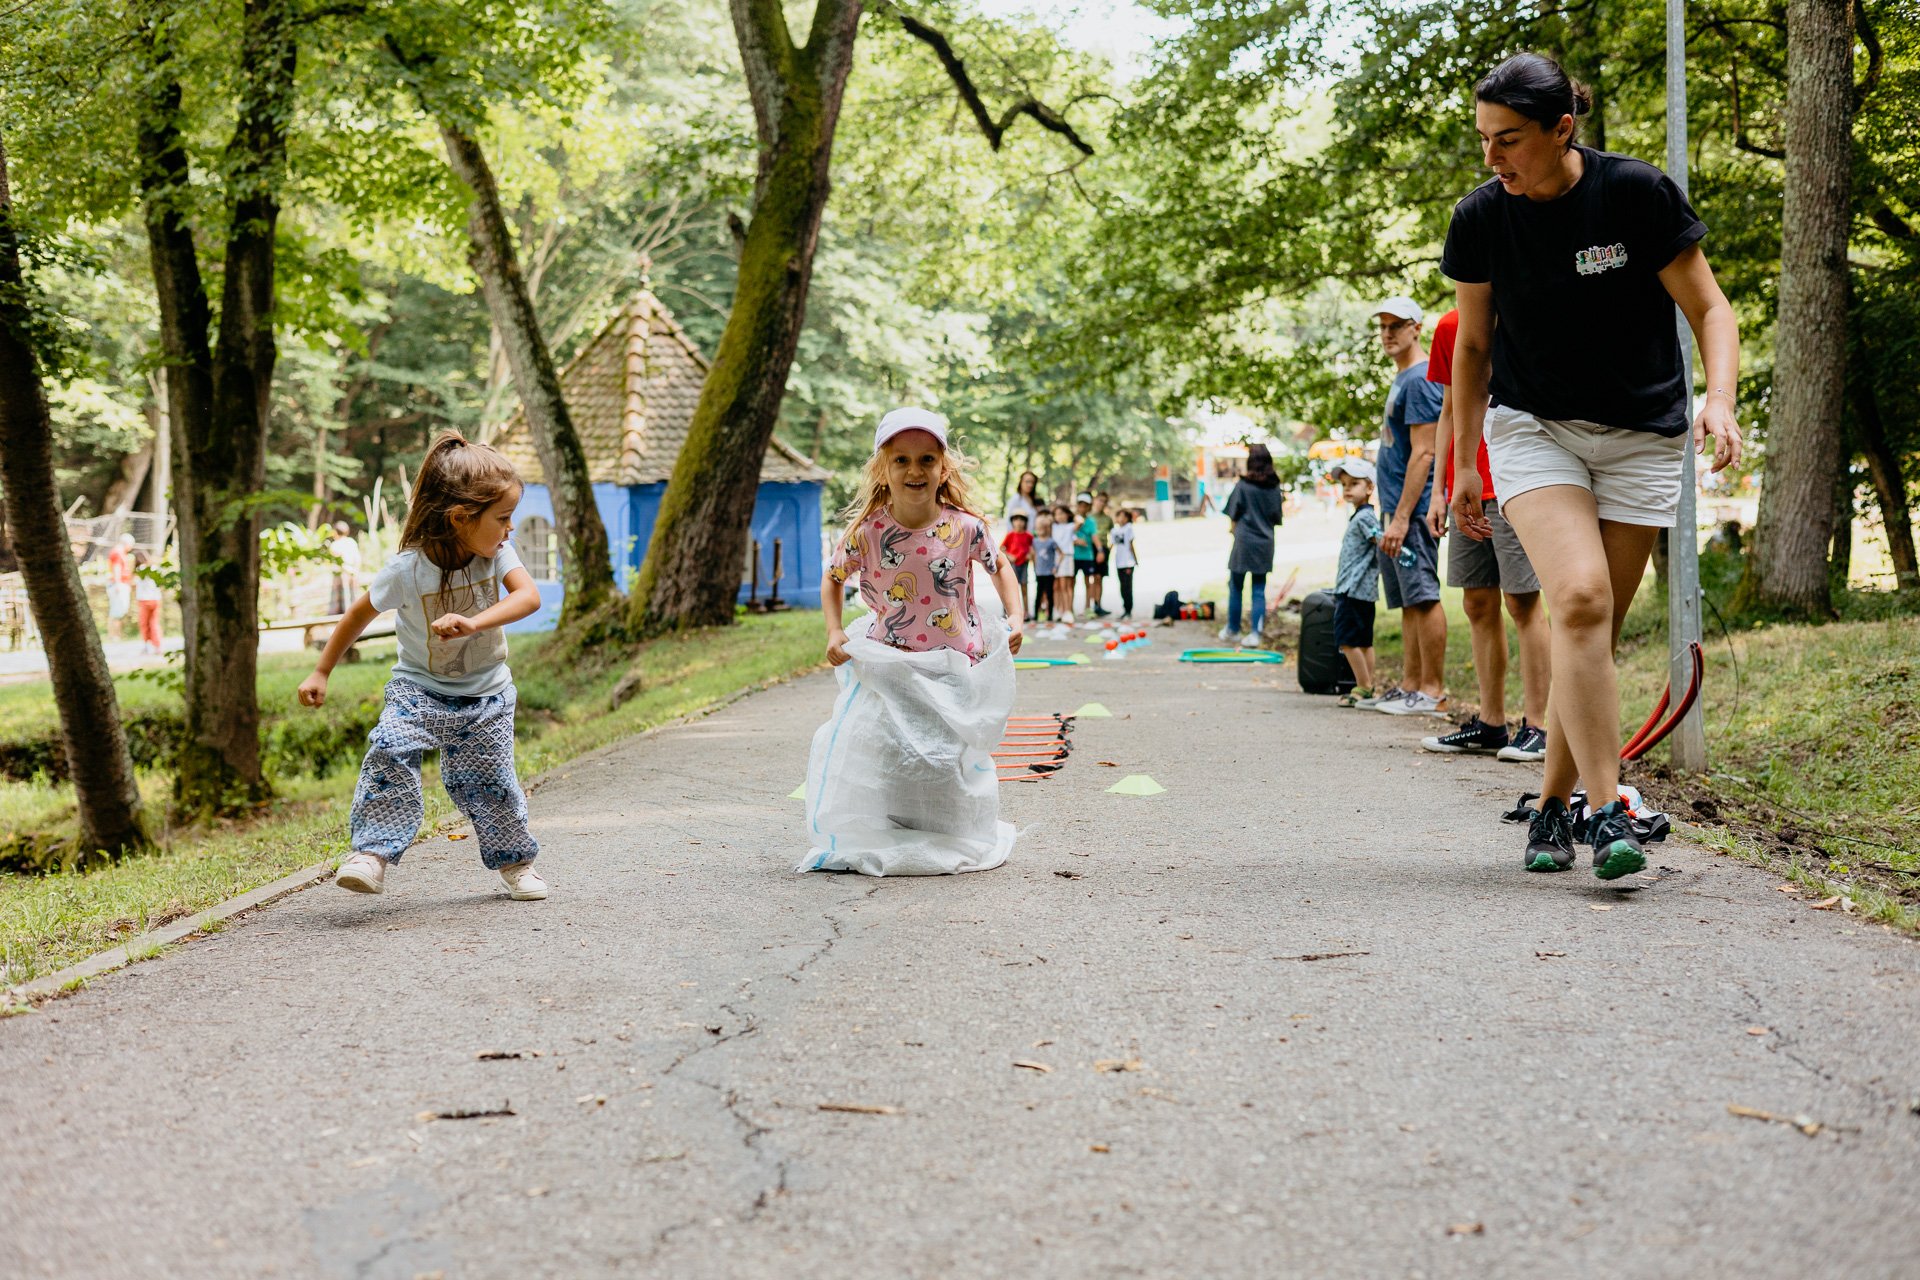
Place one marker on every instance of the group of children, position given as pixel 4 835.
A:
pixel 1085 540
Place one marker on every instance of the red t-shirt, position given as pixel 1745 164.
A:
pixel 1440 370
pixel 1018 544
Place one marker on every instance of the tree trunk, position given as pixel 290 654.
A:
pixel 1889 484
pixel 161 477
pixel 219 395
pixel 692 572
pixel 107 798
pixel 9 562
pixel 1840 553
pixel 317 513
pixel 1789 569
pixel 125 489
pixel 586 560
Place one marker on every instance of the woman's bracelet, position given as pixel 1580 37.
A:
pixel 1722 391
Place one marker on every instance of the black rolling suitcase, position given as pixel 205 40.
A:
pixel 1323 668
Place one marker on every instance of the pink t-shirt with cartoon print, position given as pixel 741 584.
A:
pixel 919 582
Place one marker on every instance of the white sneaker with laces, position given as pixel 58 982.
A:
pixel 1228 635
pixel 363 873
pixel 523 882
pixel 1415 703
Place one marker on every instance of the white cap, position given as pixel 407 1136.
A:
pixel 910 420
pixel 1400 309
pixel 1083 497
pixel 1358 468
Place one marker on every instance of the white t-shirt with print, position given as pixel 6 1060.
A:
pixel 466 666
pixel 1122 540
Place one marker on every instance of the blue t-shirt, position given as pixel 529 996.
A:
pixel 1411 399
pixel 1359 572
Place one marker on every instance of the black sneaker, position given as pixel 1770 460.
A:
pixel 1528 744
pixel 1550 838
pixel 1616 845
pixel 1475 737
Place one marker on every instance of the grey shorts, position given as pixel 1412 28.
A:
pixel 1498 562
pixel 1634 476
pixel 1419 582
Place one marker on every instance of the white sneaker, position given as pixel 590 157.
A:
pixel 523 882
pixel 1252 640
pixel 1414 704
pixel 363 873
pixel 1228 635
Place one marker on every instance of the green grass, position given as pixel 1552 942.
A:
pixel 50 921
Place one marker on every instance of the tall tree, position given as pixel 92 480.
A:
pixel 218 385
pixel 1789 570
pixel 690 576
pixel 97 759
pixel 586 562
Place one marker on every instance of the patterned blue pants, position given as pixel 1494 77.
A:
pixel 475 740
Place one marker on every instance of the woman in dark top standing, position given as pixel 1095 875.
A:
pixel 1254 508
pixel 1580 257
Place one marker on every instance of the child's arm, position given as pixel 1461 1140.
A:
pixel 313 690
pixel 523 601
pixel 1442 451
pixel 1007 587
pixel 832 602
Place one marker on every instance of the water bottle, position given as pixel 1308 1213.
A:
pixel 1406 559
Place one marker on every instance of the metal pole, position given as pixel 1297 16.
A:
pixel 1689 740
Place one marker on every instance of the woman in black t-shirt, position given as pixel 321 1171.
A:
pixel 1567 266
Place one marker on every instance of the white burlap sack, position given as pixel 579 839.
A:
pixel 900 781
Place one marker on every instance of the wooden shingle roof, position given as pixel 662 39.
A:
pixel 632 392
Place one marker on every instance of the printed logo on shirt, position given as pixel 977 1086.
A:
pixel 1601 257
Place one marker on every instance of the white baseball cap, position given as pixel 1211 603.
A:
pixel 910 420
pixel 1358 468
pixel 1400 308
pixel 1083 497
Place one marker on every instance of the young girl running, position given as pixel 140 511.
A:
pixel 901 780
pixel 455 583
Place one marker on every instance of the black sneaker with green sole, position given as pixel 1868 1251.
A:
pixel 1616 845
pixel 1550 837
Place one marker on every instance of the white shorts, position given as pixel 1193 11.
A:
pixel 1634 476
pixel 119 595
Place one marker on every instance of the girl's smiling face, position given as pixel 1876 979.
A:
pixel 916 464
pixel 486 533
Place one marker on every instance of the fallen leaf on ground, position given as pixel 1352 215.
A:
pixel 1100 1148
pixel 1594 906
pixel 1117 1064
pixel 1108 764
pixel 1325 955
pixel 1041 1044
pixel 1548 954
pixel 1467 1229
pixel 457 835
pixel 1786 888
pixel 1758 1031
pixel 1068 875
pixel 1827 904
pixel 860 1108
pixel 1805 1124
pixel 1023 1063
pixel 497 1055
pixel 592 1099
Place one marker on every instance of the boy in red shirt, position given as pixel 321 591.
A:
pixel 1018 544
pixel 1485 570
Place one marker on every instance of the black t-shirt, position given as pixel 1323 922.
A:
pixel 1584 328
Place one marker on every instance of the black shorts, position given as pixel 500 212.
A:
pixel 1352 623
pixel 1084 567
pixel 1020 574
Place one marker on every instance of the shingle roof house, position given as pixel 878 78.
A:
pixel 632 391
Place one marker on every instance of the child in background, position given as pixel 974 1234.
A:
pixel 1086 555
pixel 1018 544
pixel 146 603
pixel 1125 559
pixel 119 584
pixel 455 582
pixel 1066 532
pixel 1102 553
pixel 1357 581
pixel 1046 556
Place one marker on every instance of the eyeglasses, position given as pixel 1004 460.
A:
pixel 1395 327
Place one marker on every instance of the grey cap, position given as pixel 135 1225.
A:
pixel 1358 468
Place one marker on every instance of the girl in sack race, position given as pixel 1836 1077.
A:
pixel 901 779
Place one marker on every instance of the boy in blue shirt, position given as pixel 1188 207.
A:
pixel 1357 581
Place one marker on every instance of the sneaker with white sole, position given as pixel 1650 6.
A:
pixel 1529 744
pixel 363 873
pixel 1475 737
pixel 1228 635
pixel 1415 703
pixel 523 882
pixel 1374 700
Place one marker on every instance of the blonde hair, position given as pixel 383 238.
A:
pixel 457 477
pixel 956 487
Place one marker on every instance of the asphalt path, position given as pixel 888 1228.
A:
pixel 1302 1014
